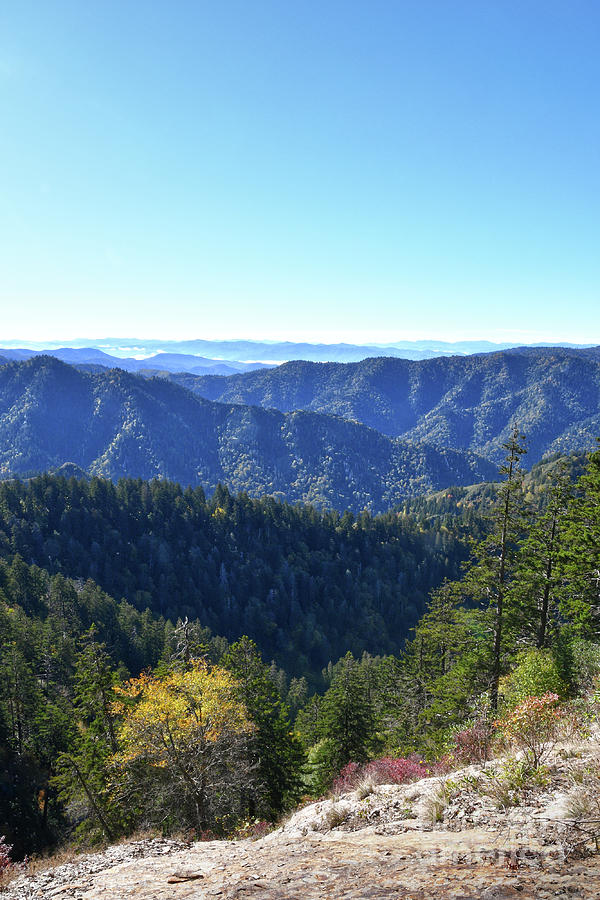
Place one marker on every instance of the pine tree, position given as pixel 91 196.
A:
pixel 461 644
pixel 347 720
pixel 580 552
pixel 308 721
pixel 83 771
pixel 445 667
pixel 537 594
pixel 19 690
pixel 487 581
pixel 275 750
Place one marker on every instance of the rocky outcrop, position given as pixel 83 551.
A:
pixel 441 837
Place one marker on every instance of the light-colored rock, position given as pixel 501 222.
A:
pixel 383 846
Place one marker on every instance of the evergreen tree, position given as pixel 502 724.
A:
pixel 487 581
pixel 580 552
pixel 537 593
pixel 275 750
pixel 83 771
pixel 308 721
pixel 462 644
pixel 444 668
pixel 347 720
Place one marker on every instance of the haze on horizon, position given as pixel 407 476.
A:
pixel 149 345
pixel 324 172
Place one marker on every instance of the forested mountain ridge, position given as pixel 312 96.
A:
pixel 471 504
pixel 116 424
pixel 463 403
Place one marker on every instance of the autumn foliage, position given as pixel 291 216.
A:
pixel 533 726
pixel 182 742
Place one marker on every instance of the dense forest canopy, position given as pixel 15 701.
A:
pixel 307 586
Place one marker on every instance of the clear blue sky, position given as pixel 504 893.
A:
pixel 300 169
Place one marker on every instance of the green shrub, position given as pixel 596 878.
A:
pixel 507 785
pixel 535 674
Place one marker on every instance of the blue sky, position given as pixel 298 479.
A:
pixel 300 170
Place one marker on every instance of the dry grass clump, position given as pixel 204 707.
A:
pixel 437 800
pixel 583 800
pixel 364 788
pixel 43 863
pixel 336 815
pixel 151 834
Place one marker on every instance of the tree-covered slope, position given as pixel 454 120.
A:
pixel 455 402
pixel 116 425
pixel 470 504
pixel 306 586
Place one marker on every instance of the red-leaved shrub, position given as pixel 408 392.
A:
pixel 381 771
pixel 347 779
pixel 472 745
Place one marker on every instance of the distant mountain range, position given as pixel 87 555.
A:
pixel 134 353
pixel 117 424
pixel 460 403
pixel 95 359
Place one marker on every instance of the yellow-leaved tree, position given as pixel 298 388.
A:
pixel 182 741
